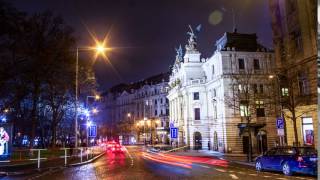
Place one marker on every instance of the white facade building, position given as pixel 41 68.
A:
pixel 142 100
pixel 201 91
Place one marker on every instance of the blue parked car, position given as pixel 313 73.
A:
pixel 289 160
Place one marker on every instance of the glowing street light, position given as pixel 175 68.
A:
pixel 129 115
pixel 89 123
pixel 99 49
pixel 97 97
pixel 95 110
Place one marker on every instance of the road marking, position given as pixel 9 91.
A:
pixel 231 171
pixel 233 176
pixel 253 174
pixel 204 166
pixel 266 176
pixel 221 170
pixel 240 172
pixel 282 178
pixel 129 156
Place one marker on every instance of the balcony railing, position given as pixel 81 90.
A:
pixel 197 81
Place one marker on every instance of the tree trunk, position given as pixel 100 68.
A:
pixel 33 120
pixel 295 132
pixel 54 135
pixel 250 145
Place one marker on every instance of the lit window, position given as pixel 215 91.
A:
pixel 244 109
pixel 260 109
pixel 285 91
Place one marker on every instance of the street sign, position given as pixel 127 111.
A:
pixel 92 131
pixel 171 125
pixel 280 123
pixel 173 133
pixel 280 132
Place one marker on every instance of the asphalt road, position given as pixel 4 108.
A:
pixel 137 165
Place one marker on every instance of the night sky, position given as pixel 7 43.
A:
pixel 145 32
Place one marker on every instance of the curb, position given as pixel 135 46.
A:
pixel 238 162
pixel 86 162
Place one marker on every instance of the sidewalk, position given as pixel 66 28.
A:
pixel 236 158
pixel 30 166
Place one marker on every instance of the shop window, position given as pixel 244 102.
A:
pixel 307 130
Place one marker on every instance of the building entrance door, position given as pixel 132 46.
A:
pixel 262 142
pixel 197 141
pixel 215 141
pixel 245 144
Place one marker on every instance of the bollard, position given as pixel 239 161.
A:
pixel 81 149
pixel 87 153
pixel 38 158
pixel 65 157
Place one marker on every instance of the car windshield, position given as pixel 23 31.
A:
pixel 307 151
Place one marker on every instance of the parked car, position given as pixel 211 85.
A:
pixel 289 160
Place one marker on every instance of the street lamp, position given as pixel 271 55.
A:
pixel 272 77
pixel 97 97
pixel 95 110
pixel 100 49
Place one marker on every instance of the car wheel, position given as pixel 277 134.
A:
pixel 258 166
pixel 286 169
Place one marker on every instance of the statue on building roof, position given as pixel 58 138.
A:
pixel 179 56
pixel 191 46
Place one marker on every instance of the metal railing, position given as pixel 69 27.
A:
pixel 61 156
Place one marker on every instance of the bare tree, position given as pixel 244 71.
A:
pixel 296 93
pixel 248 99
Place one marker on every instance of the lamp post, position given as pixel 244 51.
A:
pixel 282 138
pixel 99 49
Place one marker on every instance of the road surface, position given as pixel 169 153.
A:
pixel 137 165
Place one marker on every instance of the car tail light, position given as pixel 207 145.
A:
pixel 299 159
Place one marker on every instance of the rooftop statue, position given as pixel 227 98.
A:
pixel 179 56
pixel 191 46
